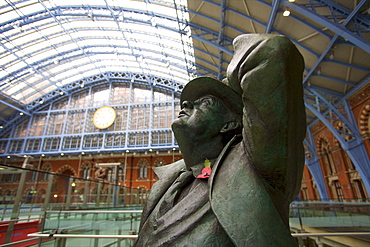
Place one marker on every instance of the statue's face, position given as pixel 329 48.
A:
pixel 202 119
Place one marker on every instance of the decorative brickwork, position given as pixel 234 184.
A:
pixel 360 97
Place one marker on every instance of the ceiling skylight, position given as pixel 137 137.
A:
pixel 46 45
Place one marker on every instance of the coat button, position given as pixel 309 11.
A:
pixel 155 227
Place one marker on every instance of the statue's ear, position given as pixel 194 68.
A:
pixel 231 125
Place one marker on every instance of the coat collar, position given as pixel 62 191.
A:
pixel 218 162
pixel 167 174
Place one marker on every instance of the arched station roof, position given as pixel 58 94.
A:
pixel 48 47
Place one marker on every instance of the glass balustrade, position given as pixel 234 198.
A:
pixel 26 195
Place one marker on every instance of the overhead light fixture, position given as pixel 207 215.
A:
pixel 286 13
pixel 291 1
pixel 319 70
pixel 331 55
pixel 17 26
pixel 121 16
pixel 90 14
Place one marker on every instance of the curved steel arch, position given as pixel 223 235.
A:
pixel 126 76
pixel 34 106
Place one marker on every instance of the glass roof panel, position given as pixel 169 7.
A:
pixel 87 39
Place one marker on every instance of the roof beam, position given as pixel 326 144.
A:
pixel 209 42
pixel 334 39
pixel 14 107
pixel 340 30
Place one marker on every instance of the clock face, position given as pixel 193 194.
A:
pixel 104 117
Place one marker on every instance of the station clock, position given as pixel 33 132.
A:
pixel 104 117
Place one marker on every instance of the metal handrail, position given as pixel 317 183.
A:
pixel 44 235
pixel 96 212
pixel 321 234
pixel 20 219
pixel 57 235
pixel 19 242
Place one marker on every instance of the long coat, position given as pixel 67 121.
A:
pixel 256 177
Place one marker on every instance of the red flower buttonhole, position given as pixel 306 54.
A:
pixel 206 171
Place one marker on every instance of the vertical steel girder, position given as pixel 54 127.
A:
pixel 348 136
pixel 271 21
pixel 221 38
pixel 313 166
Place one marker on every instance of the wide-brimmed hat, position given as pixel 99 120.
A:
pixel 202 86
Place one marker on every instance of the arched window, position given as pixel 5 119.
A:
pixel 338 190
pixel 46 168
pixel 327 158
pixel 143 168
pixel 86 170
pixel 359 190
pixel 159 162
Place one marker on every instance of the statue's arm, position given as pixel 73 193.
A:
pixel 266 71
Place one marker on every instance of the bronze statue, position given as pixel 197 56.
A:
pixel 241 141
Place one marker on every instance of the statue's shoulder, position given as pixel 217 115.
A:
pixel 169 170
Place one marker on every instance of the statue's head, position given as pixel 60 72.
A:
pixel 209 108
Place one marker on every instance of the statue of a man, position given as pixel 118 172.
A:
pixel 241 141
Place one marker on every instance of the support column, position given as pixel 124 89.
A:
pixel 16 206
pixel 313 165
pixel 69 193
pixel 86 194
pixel 357 152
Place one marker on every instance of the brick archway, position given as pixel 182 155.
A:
pixel 364 120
